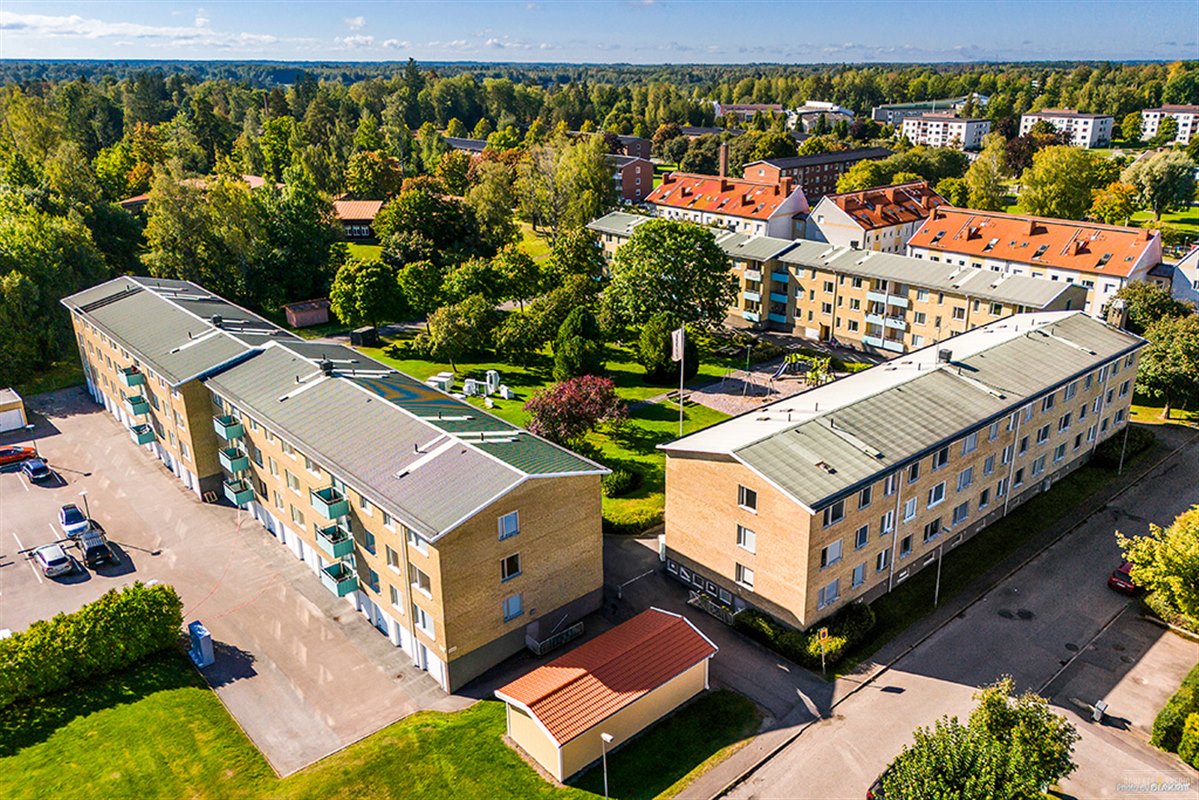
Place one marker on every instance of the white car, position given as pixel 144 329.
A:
pixel 72 521
pixel 53 560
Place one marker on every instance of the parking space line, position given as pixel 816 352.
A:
pixel 25 485
pixel 37 573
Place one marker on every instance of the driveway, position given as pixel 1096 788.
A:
pixel 1056 628
pixel 302 672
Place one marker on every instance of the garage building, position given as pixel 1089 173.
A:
pixel 12 411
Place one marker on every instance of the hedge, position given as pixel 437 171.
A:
pixel 846 628
pixel 619 482
pixel 120 628
pixel 633 522
pixel 1188 746
pixel 1169 725
pixel 1107 454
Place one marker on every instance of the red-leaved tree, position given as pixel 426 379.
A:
pixel 567 411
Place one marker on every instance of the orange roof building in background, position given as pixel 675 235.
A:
pixel 750 207
pixel 618 683
pixel 880 219
pixel 356 217
pixel 1100 257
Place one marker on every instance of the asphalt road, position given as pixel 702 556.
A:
pixel 1030 626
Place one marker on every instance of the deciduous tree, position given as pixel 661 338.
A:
pixel 1164 181
pixel 364 292
pixel 1166 561
pixel 567 411
pixel 1168 369
pixel 1061 180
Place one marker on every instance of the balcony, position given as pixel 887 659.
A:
pixel 873 341
pixel 753 274
pixel 131 378
pixel 335 540
pixel 781 277
pixel 239 493
pixel 234 459
pixel 754 296
pixel 228 428
pixel 876 297
pixel 142 434
pixel 891 344
pixel 752 316
pixel 339 578
pixel 778 297
pixel 137 405
pixel 874 319
pixel 896 323
pixel 330 503
pixel 780 318
pixel 894 300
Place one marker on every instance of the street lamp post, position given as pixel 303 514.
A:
pixel 86 511
pixel 937 590
pixel 605 740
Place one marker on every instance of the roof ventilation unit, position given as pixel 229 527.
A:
pixel 944 355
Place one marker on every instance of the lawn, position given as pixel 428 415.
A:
pixel 1152 415
pixel 367 252
pixel 632 447
pixel 158 731
pixel 59 375
pixel 536 247
pixel 1184 221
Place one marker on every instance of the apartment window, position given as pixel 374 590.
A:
pixel 419 580
pixel 917 340
pixel 1043 434
pixel 747 498
pixel 993 431
pixel 288 450
pixel 890 484
pixel 1091 434
pixel 914 472
pixel 297 516
pixel 996 309
pixel 744 576
pixel 388 521
pixel 936 494
pixel 970 443
pixel 829 594
pixel 1078 441
pixel 861 537
pixel 1124 388
pixel 984 499
pixel 830 554
pixel 278 500
pixel 747 539
pixel 909 509
pixel 989 465
pixel 932 529
pixel 882 560
pixel 1082 412
pixel 393 595
pixel 417 542
pixel 826 308
pixel 864 498
pixel 1071 390
pixel 959 313
pixel 886 523
pixel 922 295
pixel 510 567
pixel 1059 453
pixel 828 286
pixel 1001 488
pixel 961 512
pixel 1119 416
pixel 919 318
pixel 940 458
pixel 311 466
pixel 1038 466
pixel 1064 422
pixel 1026 412
pixel 365 507
pixel 905 546
pixel 1018 478
pixel 509 525
pixel 514 607
pixel 256 454
pixel 184 451
pixel 859 575
pixel 393 558
pixel 1047 403
pixel 293 482
pixel 1023 445
pixel 965 478
pixel 834 513
pixel 368 541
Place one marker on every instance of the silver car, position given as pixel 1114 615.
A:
pixel 53 560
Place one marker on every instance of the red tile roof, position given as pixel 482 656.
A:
pixel 356 209
pixel 885 206
pixel 1080 246
pixel 577 691
pixel 733 197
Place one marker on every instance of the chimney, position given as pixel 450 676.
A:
pixel 1032 227
pixel 326 366
pixel 944 355
pixel 724 159
pixel 1080 246
pixel 217 322
pixel 724 185
pixel 788 184
pixel 891 194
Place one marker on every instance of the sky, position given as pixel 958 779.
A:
pixel 605 31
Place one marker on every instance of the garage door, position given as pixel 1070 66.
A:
pixel 11 420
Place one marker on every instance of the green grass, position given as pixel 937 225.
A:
pixel 1184 221
pixel 536 247
pixel 158 731
pixel 367 252
pixel 59 375
pixel 654 764
pixel 1152 415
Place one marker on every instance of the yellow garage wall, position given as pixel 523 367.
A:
pixel 533 740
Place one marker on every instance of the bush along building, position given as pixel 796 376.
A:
pixel 461 537
pixel 843 492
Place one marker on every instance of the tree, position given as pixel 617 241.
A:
pixel 773 145
pixel 1130 127
pixel 1147 303
pixel 579 346
pixel 1114 204
pixel 445 222
pixel 564 185
pixel 675 267
pixel 491 198
pixel 1168 369
pixel 984 178
pixel 364 292
pixel 518 337
pixel 666 132
pixel 421 284
pixel 475 276
pixel 461 329
pixel 577 252
pixel 452 169
pixel 955 191
pixel 1167 132
pixel 519 274
pixel 1061 180
pixel 454 129
pixel 1164 181
pixel 1166 561
pixel 655 351
pixel 373 175
pixel 567 411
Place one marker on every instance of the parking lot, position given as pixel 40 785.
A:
pixel 302 672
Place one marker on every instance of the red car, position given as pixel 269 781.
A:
pixel 15 455
pixel 1121 579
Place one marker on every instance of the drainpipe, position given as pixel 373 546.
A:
pixel 895 529
pixel 407 583
pixel 1011 468
pixel 1103 406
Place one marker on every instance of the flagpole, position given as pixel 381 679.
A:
pixel 682 370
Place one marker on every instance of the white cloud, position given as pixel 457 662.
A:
pixel 202 19
pixel 77 27
pixel 396 44
pixel 353 42
pixel 356 23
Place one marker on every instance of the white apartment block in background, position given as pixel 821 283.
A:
pixel 1084 130
pixel 1185 279
pixel 1187 117
pixel 946 130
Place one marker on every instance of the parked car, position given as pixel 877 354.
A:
pixel 36 470
pixel 53 560
pixel 15 455
pixel 1121 579
pixel 96 551
pixel 72 521
pixel 875 792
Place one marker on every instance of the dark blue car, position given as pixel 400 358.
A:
pixel 36 470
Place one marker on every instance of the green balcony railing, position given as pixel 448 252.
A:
pixel 228 427
pixel 137 405
pixel 131 377
pixel 335 540
pixel 234 459
pixel 339 578
pixel 330 503
pixel 239 493
pixel 142 434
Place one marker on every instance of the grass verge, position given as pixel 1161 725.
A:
pixel 59 375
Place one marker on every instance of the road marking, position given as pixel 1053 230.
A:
pixel 25 485
pixel 1083 649
pixel 37 573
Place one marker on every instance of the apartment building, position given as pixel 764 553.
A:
pixel 745 111
pixel 1100 257
pixel 1186 116
pixel 761 208
pixel 1184 278
pixel 841 493
pixel 614 229
pixel 946 130
pixel 459 536
pixel 880 219
pixel 896 113
pixel 816 174
pixel 807 116
pixel 632 176
pixel 1082 130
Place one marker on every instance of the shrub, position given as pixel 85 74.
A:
pixel 654 351
pixel 1140 439
pixel 122 627
pixel 846 628
pixel 834 649
pixel 857 366
pixel 633 522
pixel 1188 746
pixel 1167 727
pixel 620 482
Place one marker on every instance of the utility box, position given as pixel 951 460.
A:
pixel 1097 713
pixel 201 644
pixel 365 337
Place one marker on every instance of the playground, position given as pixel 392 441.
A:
pixel 741 390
